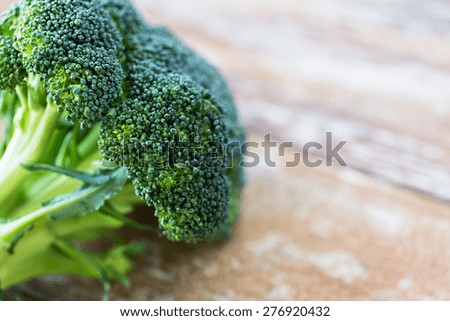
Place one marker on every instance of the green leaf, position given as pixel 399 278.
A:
pixel 99 178
pixel 110 265
pixel 81 202
pixel 84 259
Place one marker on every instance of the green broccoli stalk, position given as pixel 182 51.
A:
pixel 84 83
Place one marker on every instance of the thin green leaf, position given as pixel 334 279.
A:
pixel 81 202
pixel 80 256
pixel 88 198
pixel 88 178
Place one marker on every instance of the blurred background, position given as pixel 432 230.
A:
pixel 374 73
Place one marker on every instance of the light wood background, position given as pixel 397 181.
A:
pixel 376 74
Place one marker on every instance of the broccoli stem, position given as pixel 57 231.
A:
pixel 8 104
pixel 38 243
pixel 34 126
pixel 10 230
pixel 52 185
pixel 42 255
pixel 26 146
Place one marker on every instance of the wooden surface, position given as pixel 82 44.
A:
pixel 376 74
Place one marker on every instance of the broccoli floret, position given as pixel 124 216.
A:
pixel 11 67
pixel 84 83
pixel 127 19
pixel 75 49
pixel 12 71
pixel 169 84
pixel 178 130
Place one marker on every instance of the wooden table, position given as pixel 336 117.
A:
pixel 374 73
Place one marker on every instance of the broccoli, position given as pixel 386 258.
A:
pixel 100 112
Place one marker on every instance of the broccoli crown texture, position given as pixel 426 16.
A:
pixel 124 16
pixel 12 71
pixel 179 116
pixel 190 192
pixel 75 49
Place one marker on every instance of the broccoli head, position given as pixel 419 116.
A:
pixel 74 49
pixel 175 98
pixel 88 81
pixel 178 132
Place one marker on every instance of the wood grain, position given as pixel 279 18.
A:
pixel 376 74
